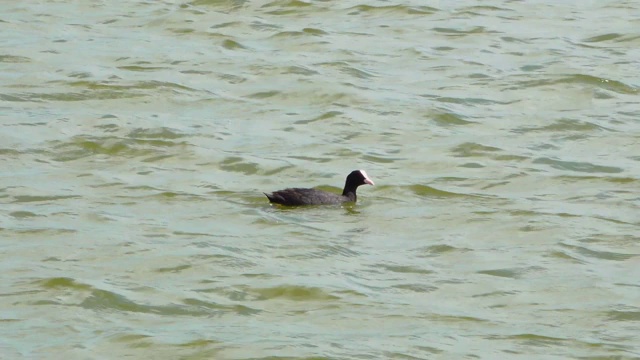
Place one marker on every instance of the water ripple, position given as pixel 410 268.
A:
pixel 578 166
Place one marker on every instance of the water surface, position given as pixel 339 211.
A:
pixel 137 139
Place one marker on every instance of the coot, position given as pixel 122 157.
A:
pixel 299 196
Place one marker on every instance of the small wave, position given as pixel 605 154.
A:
pixel 102 300
pixel 391 9
pixel 578 166
pixel 513 273
pixel 291 292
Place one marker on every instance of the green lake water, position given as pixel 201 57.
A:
pixel 137 138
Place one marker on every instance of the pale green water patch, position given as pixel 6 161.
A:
pixel 503 137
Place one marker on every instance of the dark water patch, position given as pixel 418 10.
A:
pixel 534 339
pixel 404 269
pixel 44 302
pixel 329 251
pixel 46 198
pixel 380 159
pixel 220 4
pixel 173 269
pixel 91 90
pixel 348 69
pixel 156 158
pixel 181 31
pixel 607 239
pixel 459 32
pixel 231 78
pixel 314 31
pixel 103 300
pixel 142 68
pixel 226 261
pixel 23 214
pixel 616 221
pixel 287 6
pixel 332 64
pixel 598 82
pixel 464 101
pixel 14 59
pixel 510 158
pixel 512 273
pixel 238 164
pixel 232 45
pixel 263 94
pixel 602 95
pixel 484 8
pixel 624 315
pixel 261 26
pixel 610 179
pixel 562 125
pixel 43 231
pixel 419 288
pixel 596 254
pixel 390 9
pixel 155 133
pixel 324 116
pixel 62 283
pixel 437 250
pixel 453 319
pixel 495 294
pixel 299 70
pixel 289 34
pixel 15 98
pixel 196 72
pixel 489 186
pixel 140 188
pixel 428 191
pixel 69 96
pixel 108 128
pixel 444 49
pixel 447 119
pixel 259 276
pixel 236 309
pixel 141 85
pixel 531 68
pixel 297 357
pixel 577 166
pixel 473 150
pixel 83 146
pixel 479 76
pixel 628 38
pixel 311 158
pixel 277 170
pixel 357 73
pixel 229 24
pixel 420 10
pixel 531 214
pixel 450 179
pixel 172 195
pixel 292 292
pixel 140 142
pixel 199 343
pixel 428 349
pixel 472 165
pixel 351 294
pixel 562 255
pixel 139 339
pixel 603 37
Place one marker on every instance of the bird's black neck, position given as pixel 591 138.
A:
pixel 350 192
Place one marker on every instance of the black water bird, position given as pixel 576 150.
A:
pixel 301 196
